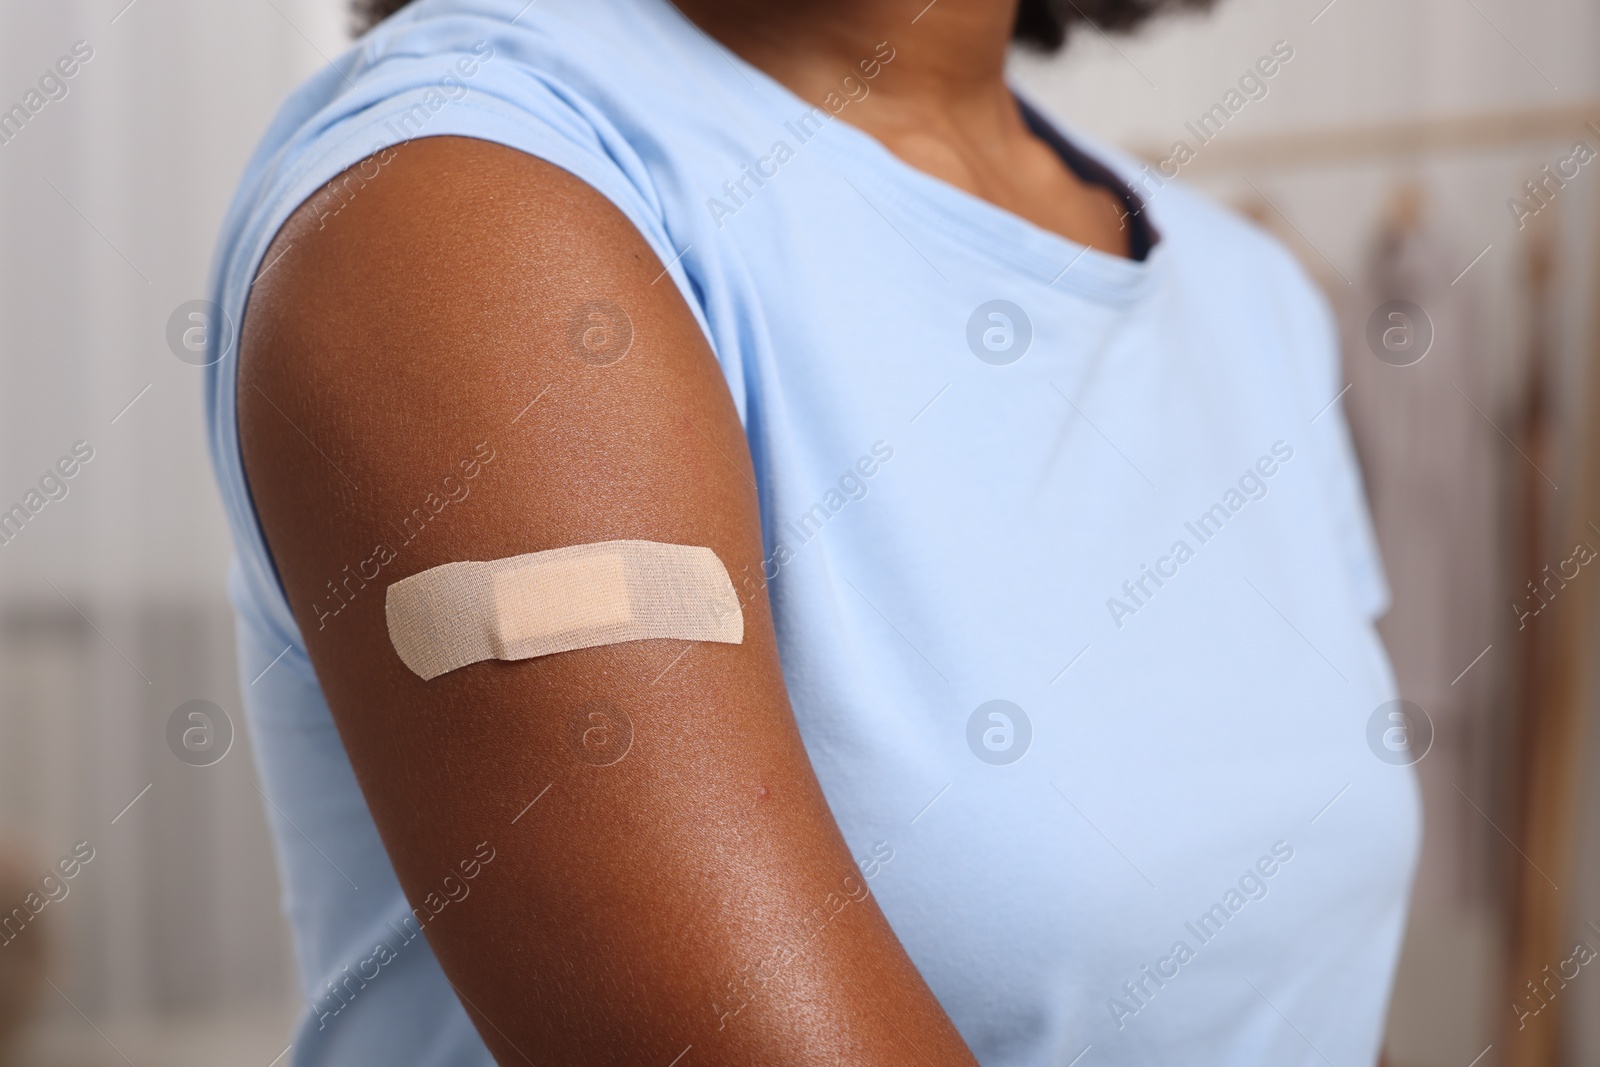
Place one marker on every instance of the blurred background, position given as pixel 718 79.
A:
pixel 1434 160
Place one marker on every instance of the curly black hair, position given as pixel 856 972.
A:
pixel 1045 24
pixel 1041 24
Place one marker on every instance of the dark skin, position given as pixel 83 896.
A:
pixel 419 322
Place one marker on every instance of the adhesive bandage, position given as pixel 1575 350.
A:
pixel 560 600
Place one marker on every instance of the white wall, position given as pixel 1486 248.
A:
pixel 110 199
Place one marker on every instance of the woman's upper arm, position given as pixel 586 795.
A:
pixel 412 392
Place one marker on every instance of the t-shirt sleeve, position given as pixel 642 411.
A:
pixel 460 77
pixel 477 90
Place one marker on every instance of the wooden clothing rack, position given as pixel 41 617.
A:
pixel 1558 691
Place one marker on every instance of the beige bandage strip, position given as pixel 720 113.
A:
pixel 560 600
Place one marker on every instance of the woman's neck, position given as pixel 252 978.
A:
pixel 942 105
pixel 947 53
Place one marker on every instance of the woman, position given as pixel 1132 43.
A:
pixel 1056 585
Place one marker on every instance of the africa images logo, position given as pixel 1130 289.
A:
pixel 1252 485
pixel 999 332
pixel 852 88
pixel 999 732
pixel 1399 732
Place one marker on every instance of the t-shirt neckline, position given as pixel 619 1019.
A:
pixel 979 226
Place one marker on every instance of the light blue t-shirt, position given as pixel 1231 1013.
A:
pixel 1073 581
